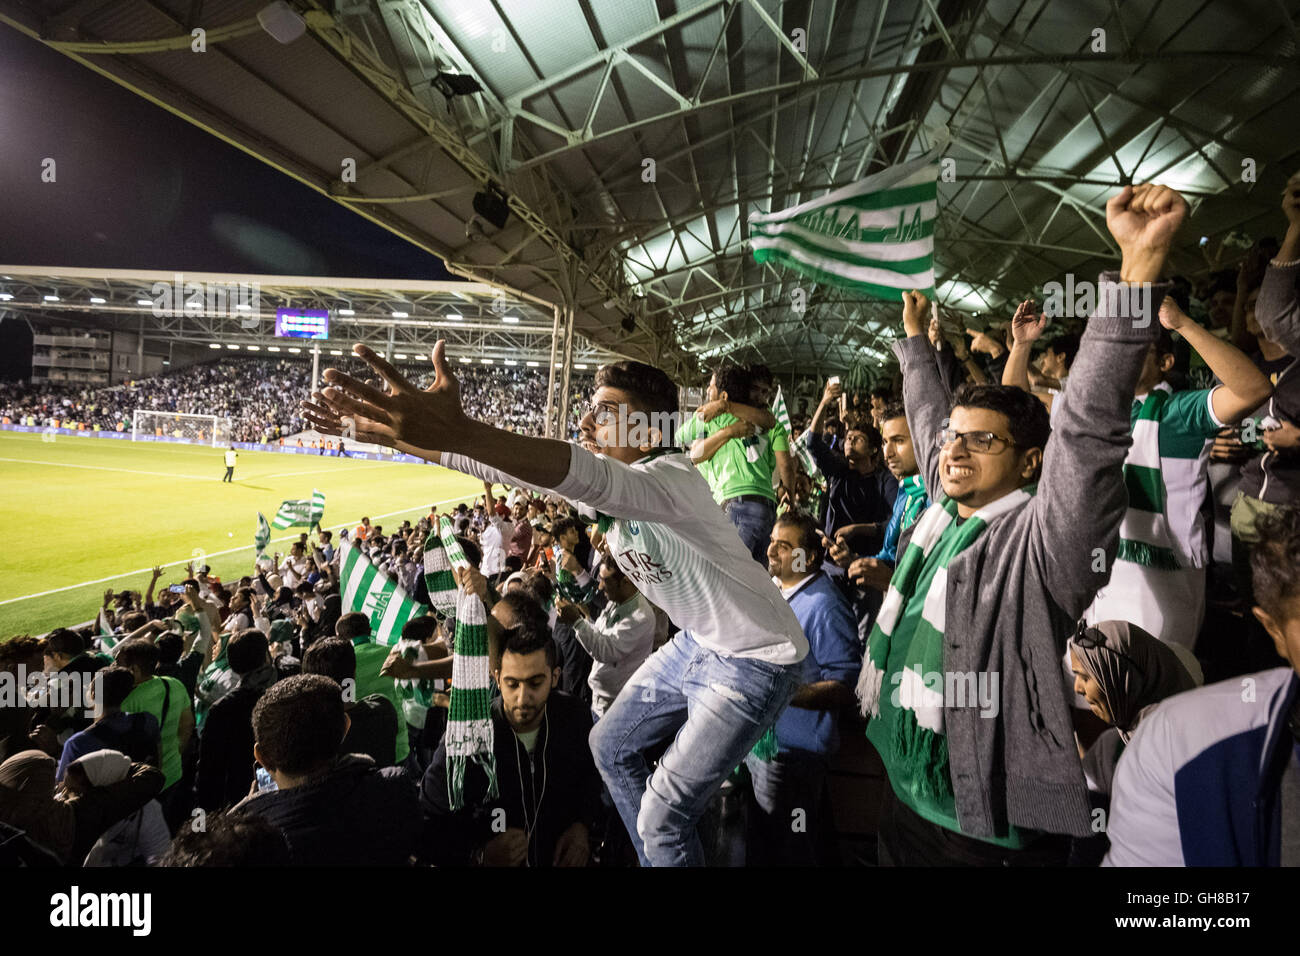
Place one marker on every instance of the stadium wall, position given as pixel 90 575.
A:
pixel 241 445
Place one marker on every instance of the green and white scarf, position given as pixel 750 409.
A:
pixel 1144 536
pixel 919 743
pixel 438 577
pixel 469 737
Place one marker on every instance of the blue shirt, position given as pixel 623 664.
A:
pixel 833 654
pixel 894 530
pixel 107 734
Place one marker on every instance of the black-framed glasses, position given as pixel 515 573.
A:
pixel 1089 638
pixel 974 441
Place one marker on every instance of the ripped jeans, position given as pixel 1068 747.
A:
pixel 714 709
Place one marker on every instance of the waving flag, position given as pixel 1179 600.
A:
pixel 377 596
pixel 263 536
pixel 800 448
pixel 301 512
pixel 875 235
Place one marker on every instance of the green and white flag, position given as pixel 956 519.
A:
pixel 301 511
pixel 800 448
pixel 263 536
pixel 1144 535
pixel 377 596
pixel 875 235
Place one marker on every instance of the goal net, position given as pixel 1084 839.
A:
pixel 197 429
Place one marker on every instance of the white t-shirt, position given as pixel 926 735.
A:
pixel 230 459
pixel 675 544
pixel 493 540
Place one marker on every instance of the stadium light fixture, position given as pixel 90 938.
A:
pixel 144 301
pixel 244 307
pixel 50 298
pixel 295 351
pixel 464 359
pixel 401 315
pixel 512 319
pixel 6 296
pixel 96 300
pixel 253 348
pixel 232 346
pixel 281 21
pixel 336 351
pixel 486 361
pixel 399 355
pixel 533 364
pixel 214 345
pixel 273 348
pixel 346 311
pixel 455 317
pixel 510 362
pixel 583 367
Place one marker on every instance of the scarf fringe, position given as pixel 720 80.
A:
pixel 1147 555
pixel 870 681
pixel 925 755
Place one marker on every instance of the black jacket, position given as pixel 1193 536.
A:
pixel 225 767
pixel 354 814
pixel 560 780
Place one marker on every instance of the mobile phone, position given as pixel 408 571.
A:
pixel 834 380
pixel 264 781
pixel 177 589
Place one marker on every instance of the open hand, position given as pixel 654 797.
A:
pixel 1026 326
pixel 403 417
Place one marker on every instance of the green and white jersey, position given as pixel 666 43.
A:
pixel 668 535
pixel 1186 427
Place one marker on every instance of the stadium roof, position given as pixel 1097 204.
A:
pixel 399 317
pixel 743 106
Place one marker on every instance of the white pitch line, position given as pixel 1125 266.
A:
pixel 215 554
pixel 129 471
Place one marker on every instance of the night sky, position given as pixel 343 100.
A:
pixel 140 188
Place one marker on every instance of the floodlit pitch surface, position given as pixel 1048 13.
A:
pixel 86 514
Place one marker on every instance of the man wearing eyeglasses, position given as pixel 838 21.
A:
pixel 961 677
pixel 712 691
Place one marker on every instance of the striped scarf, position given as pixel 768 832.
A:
pixel 918 742
pixel 913 487
pixel 469 736
pixel 1144 536
pixel 438 577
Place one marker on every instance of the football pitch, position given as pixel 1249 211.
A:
pixel 87 514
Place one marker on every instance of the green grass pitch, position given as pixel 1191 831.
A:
pixel 87 514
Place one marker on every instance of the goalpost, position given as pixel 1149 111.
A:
pixel 196 429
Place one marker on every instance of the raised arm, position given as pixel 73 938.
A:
pixel 924 396
pixel 1244 386
pixel 1081 496
pixel 1278 307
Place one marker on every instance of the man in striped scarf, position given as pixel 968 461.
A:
pixel 961 680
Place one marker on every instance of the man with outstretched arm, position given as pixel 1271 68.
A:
pixel 961 677
pixel 721 682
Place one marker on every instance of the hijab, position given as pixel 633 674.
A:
pixel 27 801
pixel 1133 671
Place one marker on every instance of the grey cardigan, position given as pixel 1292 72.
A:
pixel 1015 594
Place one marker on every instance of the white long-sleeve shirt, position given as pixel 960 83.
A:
pixel 618 640
pixel 671 539
pixel 494 539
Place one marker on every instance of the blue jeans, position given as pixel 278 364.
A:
pixel 754 521
pixel 714 709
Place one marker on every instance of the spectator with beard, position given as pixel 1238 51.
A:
pixel 548 786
